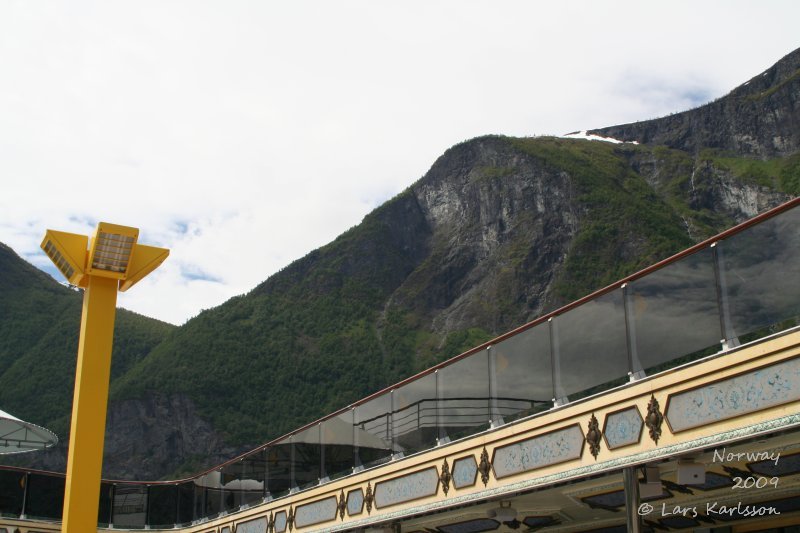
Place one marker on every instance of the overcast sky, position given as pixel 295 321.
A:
pixel 242 135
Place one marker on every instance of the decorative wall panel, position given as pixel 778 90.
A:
pixel 406 488
pixel 623 428
pixel 465 472
pixel 316 512
pixel 259 525
pixel 355 502
pixel 545 450
pixel 746 393
pixel 280 522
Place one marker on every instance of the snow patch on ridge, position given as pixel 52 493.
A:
pixel 584 135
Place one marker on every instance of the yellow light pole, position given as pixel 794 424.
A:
pixel 110 261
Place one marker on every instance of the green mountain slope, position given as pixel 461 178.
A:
pixel 39 321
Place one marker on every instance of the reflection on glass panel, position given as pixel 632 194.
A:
pixel 12 485
pixel 279 468
pixel 337 445
pixel 464 404
pixel 163 502
pixel 186 502
pixel 761 267
pixel 104 510
pixel 212 490
pixel 373 435
pixel 232 486
pixel 414 420
pixel 199 498
pixel 129 507
pixel 253 478
pixel 592 352
pixel 307 457
pixel 523 374
pixel 675 313
pixel 45 496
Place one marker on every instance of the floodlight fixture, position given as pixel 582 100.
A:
pixel 111 261
pixel 112 252
pixel 112 246
pixel 68 252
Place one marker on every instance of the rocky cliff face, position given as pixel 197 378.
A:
pixel 705 186
pixel 153 435
pixel 759 118
pixel 500 223
pixel 148 437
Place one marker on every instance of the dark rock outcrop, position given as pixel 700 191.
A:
pixel 150 437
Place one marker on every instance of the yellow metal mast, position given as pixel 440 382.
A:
pixel 110 261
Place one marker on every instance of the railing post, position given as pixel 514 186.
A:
pixel 440 428
pixel 292 482
pixel 177 505
pixel 390 421
pixel 321 471
pixel 147 507
pixel 356 456
pixel 495 418
pixel 559 397
pixel 111 506
pixel 635 370
pixel 25 482
pixel 729 339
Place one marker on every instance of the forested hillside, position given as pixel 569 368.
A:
pixel 39 321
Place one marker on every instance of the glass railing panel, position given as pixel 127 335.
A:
pixel 464 404
pixel 186 496
pixel 674 313
pixel 199 499
pixel 414 420
pixel 12 492
pixel 279 468
pixel 337 434
pixel 163 506
pixel 373 435
pixel 761 269
pixel 45 496
pixel 307 457
pixel 254 477
pixel 104 510
pixel 232 477
pixel 207 495
pixel 523 374
pixel 591 347
pixel 129 508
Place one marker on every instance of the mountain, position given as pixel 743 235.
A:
pixel 759 119
pixel 499 230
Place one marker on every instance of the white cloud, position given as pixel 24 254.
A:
pixel 242 135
